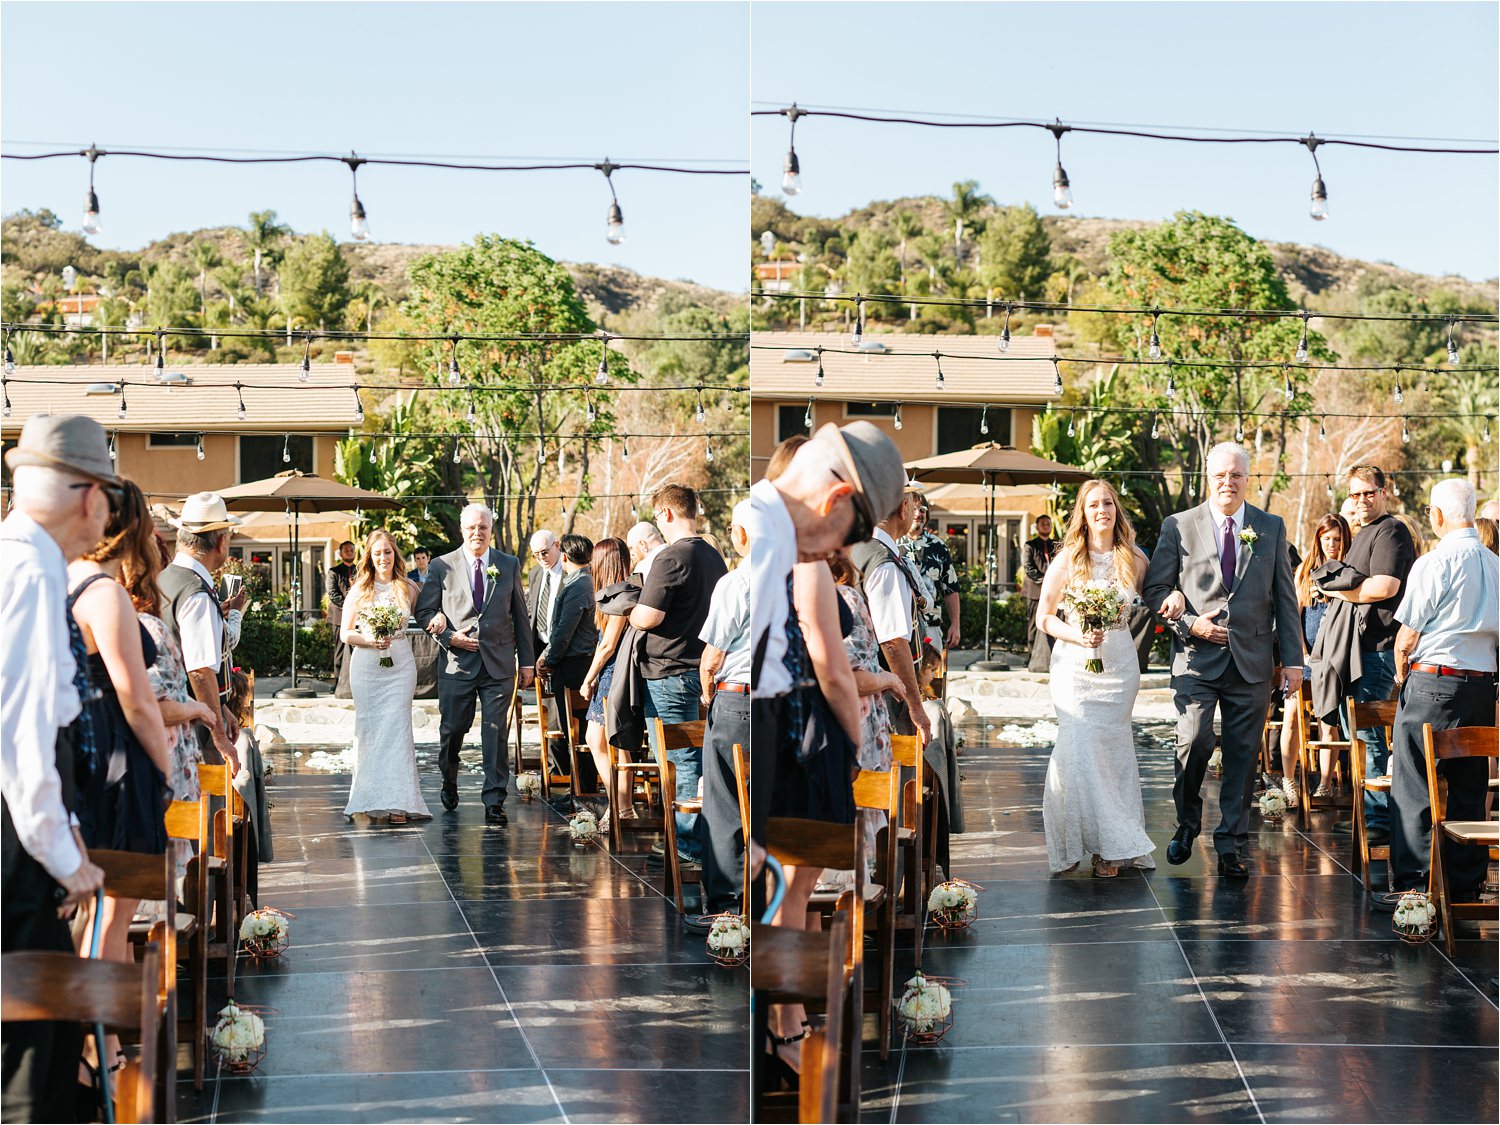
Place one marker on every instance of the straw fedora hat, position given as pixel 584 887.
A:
pixel 204 511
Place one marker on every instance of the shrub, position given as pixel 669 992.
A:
pixel 1007 621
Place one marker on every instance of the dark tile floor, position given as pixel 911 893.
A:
pixel 1177 996
pixel 449 971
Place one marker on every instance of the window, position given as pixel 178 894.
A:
pixel 790 421
pixel 171 441
pixel 260 455
pixel 869 410
pixel 958 427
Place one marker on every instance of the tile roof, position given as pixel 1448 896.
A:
pixel 908 372
pixel 275 398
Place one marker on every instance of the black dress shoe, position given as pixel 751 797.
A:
pixel 495 814
pixel 1180 848
pixel 449 797
pixel 1232 866
pixel 1378 837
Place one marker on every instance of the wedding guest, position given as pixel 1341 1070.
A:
pixel 645 542
pixel 672 609
pixel 1383 551
pixel 724 670
pixel 1331 541
pixel 571 635
pixel 1350 511
pixel 891 592
pixel 542 584
pixel 941 755
pixel 1490 511
pixel 931 563
pixel 1036 557
pixel 340 578
pixel 1418 541
pixel 610 564
pixel 421 558
pixel 62 477
pixel 782 455
pixel 1445 655
pixel 1489 533
pixel 190 606
pixel 121 809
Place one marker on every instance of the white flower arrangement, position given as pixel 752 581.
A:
pixel 265 932
pixel 239 1036
pixel 729 939
pixel 925 1008
pixel 1248 537
pixel 1273 804
pixel 492 572
pixel 583 827
pixel 528 784
pixel 954 904
pixel 1414 916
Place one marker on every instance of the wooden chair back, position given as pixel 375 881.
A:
pixel 664 737
pixel 742 794
pixel 548 732
pixel 229 898
pixel 918 792
pixel 63 987
pixel 1364 716
pixel 189 821
pixel 1446 746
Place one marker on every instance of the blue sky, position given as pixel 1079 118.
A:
pixel 478 79
pixel 1409 69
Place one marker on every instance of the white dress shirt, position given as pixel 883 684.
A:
pixel 1453 600
pixel 889 595
pixel 727 626
pixel 37 696
pixel 200 626
pixel 773 553
pixel 1239 525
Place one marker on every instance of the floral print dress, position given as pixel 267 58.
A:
pixel 169 681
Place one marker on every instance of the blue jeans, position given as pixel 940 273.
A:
pixel 675 699
pixel 1375 685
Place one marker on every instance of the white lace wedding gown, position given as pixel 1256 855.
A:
pixel 1092 804
pixel 385 754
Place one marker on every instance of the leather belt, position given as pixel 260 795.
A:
pixel 725 685
pixel 1444 670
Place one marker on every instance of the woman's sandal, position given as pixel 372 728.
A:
pixel 1103 869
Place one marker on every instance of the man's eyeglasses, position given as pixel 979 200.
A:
pixel 1370 495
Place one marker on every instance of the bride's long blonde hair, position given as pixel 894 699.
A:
pixel 1075 545
pixel 364 579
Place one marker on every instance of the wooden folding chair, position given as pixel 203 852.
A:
pixel 130 875
pixel 1447 746
pixel 225 868
pixel 63 987
pixel 647 774
pixel 1309 751
pixel 742 792
pixel 189 820
pixel 1363 716
pixel 912 843
pixel 574 708
pixel 665 737
pixel 548 732
pixel 809 968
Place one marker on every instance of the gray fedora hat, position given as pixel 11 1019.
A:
pixel 69 442
pixel 874 465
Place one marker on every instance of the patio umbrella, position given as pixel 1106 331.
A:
pixel 993 466
pixel 294 492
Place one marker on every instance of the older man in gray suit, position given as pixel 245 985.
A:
pixel 473 603
pixel 1221 575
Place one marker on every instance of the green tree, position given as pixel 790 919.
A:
pixel 1459 396
pixel 171 296
pixel 314 280
pixel 904 227
pixel 263 234
pixel 498 286
pixel 1385 341
pixel 964 209
pixel 1015 253
pixel 403 467
pixel 206 257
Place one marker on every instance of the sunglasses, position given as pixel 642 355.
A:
pixel 1370 495
pixel 112 492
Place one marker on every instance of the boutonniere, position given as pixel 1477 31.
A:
pixel 494 571
pixel 1247 538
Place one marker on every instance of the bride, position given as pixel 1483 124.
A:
pixel 385 755
pixel 1092 804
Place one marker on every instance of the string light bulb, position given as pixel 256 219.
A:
pixel 589 415
pixel 614 223
pixel 1154 351
pixel 1155 428
pixel 1396 390
pixel 1322 433
pixel 1302 343
pixel 791 170
pixel 1329 486
pixel 1071 430
pixel 6 388
pixel 858 337
pixel 1062 191
pixel 199 448
pixel 10 359
pixel 807 417
pixel 897 419
pixel 359 226
pixel 942 383
pixel 1288 392
pixel 241 413
pixel 700 415
pixel 1004 344
pixel 114 450
pixel 984 419
pixel 123 409
pixel 455 376
pixel 161 356
pixel 1171 391
pixel 286 449
pixel 1057 383
pixel 601 376
pixel 456 458
pixel 91 200
pixel 624 449
pixel 359 406
pixel 1319 208
pixel 1452 345
pixel 472 416
pixel 306 372
pixel 1405 433
pixel 708 450
pixel 1239 429
pixel 818 378
pixel 1486 434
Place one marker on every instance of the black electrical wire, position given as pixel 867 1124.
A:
pixel 334 335
pixel 456 388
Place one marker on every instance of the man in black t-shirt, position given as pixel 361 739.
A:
pixel 672 609
pixel 1383 551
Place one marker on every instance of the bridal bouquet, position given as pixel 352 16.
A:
pixel 729 940
pixel 239 1038
pixel 1414 916
pixel 1095 604
pixel 384 622
pixel 264 933
pixel 925 1010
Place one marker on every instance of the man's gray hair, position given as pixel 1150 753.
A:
pixel 1231 449
pixel 43 490
pixel 201 542
pixel 476 510
pixel 643 532
pixel 1456 498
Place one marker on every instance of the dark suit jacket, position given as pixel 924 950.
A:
pixel 1035 558
pixel 533 598
pixel 504 629
pixel 572 631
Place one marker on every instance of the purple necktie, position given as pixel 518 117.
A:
pixel 478 586
pixel 1226 556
